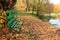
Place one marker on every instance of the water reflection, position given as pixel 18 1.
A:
pixel 55 22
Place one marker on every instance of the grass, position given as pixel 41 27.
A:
pixel 42 17
pixel 24 13
pixel 27 14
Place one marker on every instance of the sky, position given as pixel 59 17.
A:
pixel 55 1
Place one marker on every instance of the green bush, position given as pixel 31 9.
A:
pixel 44 18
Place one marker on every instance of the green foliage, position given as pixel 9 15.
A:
pixel 5 4
pixel 54 17
pixel 14 2
pixel 46 18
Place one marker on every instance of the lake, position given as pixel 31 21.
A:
pixel 55 22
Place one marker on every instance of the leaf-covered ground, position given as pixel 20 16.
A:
pixel 33 29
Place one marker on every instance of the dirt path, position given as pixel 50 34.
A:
pixel 42 30
pixel 34 29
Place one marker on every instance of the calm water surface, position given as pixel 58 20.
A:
pixel 55 22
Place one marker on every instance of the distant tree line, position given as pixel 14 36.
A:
pixel 41 7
